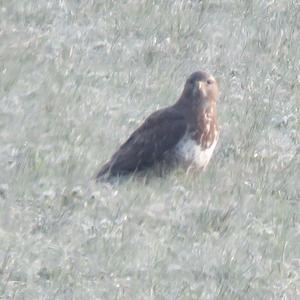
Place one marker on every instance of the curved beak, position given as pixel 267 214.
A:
pixel 201 88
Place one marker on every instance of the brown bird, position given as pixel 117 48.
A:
pixel 187 132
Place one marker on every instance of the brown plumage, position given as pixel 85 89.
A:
pixel 186 131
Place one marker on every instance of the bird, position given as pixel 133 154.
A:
pixel 186 132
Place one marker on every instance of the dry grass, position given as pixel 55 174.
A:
pixel 76 77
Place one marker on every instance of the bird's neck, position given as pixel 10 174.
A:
pixel 201 115
pixel 189 104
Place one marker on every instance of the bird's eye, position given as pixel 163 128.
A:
pixel 209 81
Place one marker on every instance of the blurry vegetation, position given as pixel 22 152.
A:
pixel 76 77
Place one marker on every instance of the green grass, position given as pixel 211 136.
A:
pixel 76 78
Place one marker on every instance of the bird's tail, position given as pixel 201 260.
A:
pixel 104 172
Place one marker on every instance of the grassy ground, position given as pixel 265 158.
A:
pixel 76 77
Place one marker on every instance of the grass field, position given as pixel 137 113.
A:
pixel 76 78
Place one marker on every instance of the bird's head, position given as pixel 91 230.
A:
pixel 201 87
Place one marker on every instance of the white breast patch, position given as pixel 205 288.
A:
pixel 194 155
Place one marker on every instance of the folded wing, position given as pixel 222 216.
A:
pixel 160 132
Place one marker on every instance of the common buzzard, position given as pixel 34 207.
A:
pixel 186 132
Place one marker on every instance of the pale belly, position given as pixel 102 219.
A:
pixel 193 155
